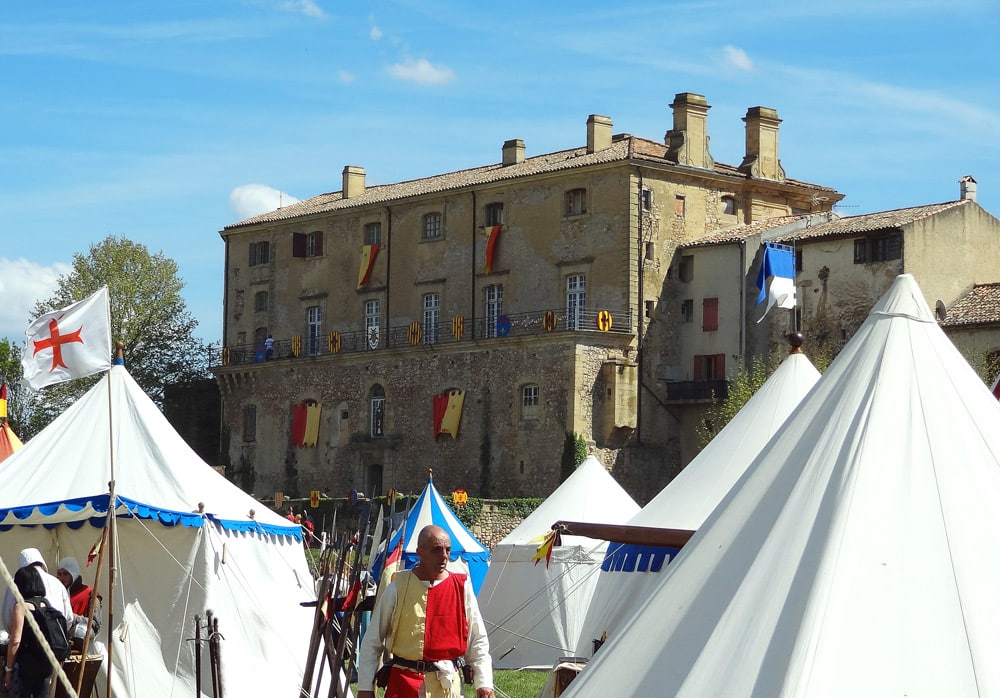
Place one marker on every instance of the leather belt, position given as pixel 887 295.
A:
pixel 422 666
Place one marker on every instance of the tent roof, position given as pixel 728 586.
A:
pixel 856 556
pixel 431 509
pixel 690 497
pixel 62 474
pixel 590 495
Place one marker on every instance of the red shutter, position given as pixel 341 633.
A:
pixel 319 243
pixel 697 367
pixel 719 367
pixel 298 245
pixel 710 314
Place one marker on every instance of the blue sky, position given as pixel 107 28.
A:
pixel 165 122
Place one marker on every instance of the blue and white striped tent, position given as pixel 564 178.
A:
pixel 468 555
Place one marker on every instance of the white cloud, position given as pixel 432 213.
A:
pixel 22 284
pixel 376 33
pixel 250 200
pixel 306 7
pixel 345 76
pixel 737 58
pixel 422 72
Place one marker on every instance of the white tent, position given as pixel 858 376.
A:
pixel 858 554
pixel 630 572
pixel 534 613
pixel 172 562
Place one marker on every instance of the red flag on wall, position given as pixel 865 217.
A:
pixel 368 254
pixel 299 416
pixel 491 246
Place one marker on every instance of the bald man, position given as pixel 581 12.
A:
pixel 429 620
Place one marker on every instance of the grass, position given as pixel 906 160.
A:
pixel 524 683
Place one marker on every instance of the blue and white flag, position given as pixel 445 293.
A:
pixel 778 266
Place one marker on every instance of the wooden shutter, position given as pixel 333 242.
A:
pixel 253 253
pixel 718 367
pixel 298 245
pixel 710 314
pixel 318 251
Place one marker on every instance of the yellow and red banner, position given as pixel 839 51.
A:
pixel 448 412
pixel 3 400
pixel 313 412
pixel 544 551
pixel 368 255
pixel 491 246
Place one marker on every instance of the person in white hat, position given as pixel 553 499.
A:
pixel 55 592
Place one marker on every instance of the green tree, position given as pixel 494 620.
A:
pixel 19 398
pixel 574 453
pixel 741 389
pixel 148 315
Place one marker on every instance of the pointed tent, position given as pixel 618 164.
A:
pixel 173 561
pixel 534 612
pixel 9 443
pixel 857 556
pixel 630 572
pixel 468 555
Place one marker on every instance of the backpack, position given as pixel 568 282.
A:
pixel 31 659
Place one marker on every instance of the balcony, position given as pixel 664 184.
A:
pixel 697 391
pixel 415 335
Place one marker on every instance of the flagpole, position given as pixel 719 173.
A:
pixel 111 521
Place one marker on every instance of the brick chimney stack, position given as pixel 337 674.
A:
pixel 687 141
pixel 761 159
pixel 513 152
pixel 354 181
pixel 967 188
pixel 598 133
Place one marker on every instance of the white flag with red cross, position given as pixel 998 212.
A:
pixel 70 343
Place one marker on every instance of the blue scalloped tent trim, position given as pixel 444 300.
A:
pixel 140 510
pixel 636 558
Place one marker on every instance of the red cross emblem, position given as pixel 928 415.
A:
pixel 55 341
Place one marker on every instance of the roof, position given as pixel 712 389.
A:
pixel 870 222
pixel 624 147
pixel 757 228
pixel 980 306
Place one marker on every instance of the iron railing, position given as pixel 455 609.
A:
pixel 697 390
pixel 415 335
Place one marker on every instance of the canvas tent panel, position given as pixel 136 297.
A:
pixel 856 555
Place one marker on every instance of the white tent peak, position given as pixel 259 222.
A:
pixel 856 556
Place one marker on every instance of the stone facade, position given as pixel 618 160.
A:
pixel 584 253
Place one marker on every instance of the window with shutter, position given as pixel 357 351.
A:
pixel 710 314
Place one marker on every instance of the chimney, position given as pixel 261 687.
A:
pixel 967 188
pixel 598 133
pixel 513 152
pixel 354 181
pixel 761 159
pixel 687 141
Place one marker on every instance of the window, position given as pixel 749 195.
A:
pixel 798 260
pixel 314 329
pixel 373 233
pixel 492 309
pixel 494 214
pixel 729 205
pixel 687 310
pixel 710 314
pixel 432 316
pixel 260 253
pixel 307 245
pixel 576 301
pixel 686 272
pixel 432 226
pixel 647 199
pixel 260 301
pixel 679 206
pixel 372 317
pixel 376 411
pixel 650 251
pixel 249 422
pixel 880 249
pixel 529 401
pixel 650 307
pixel 259 335
pixel 374 480
pixel 886 248
pixel 710 367
pixel 576 202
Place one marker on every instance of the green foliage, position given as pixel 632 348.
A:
pixel 521 508
pixel 468 514
pixel 741 389
pixel 19 398
pixel 148 315
pixel 574 453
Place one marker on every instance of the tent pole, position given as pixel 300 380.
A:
pixel 93 608
pixel 110 523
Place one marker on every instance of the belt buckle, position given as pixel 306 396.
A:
pixel 425 667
